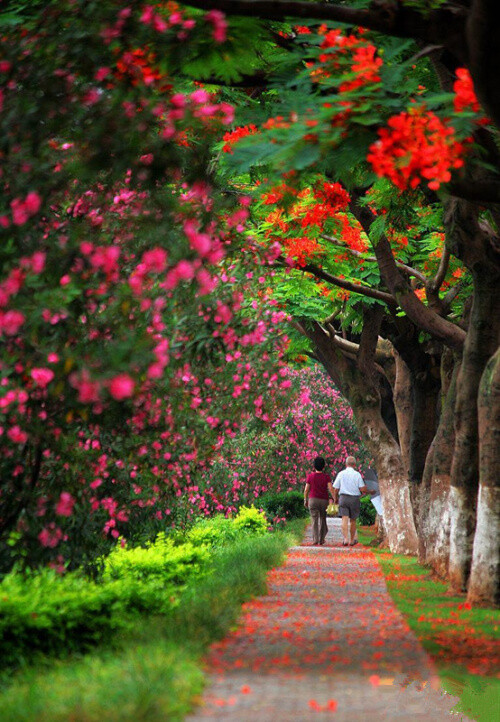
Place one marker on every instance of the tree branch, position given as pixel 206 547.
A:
pixel 372 318
pixel 451 296
pixel 281 9
pixel 349 285
pixel 435 283
pixel 423 316
pixel 408 270
pixel 445 25
pixel 257 80
pixel 483 54
pixel 476 191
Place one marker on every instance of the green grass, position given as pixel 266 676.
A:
pixel 464 643
pixel 153 673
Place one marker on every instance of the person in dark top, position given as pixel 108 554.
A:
pixel 317 490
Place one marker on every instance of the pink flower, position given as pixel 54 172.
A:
pixel 102 73
pixel 19 213
pixel 52 358
pixel 65 504
pixel 200 96
pixel 50 536
pixel 147 15
pixel 32 203
pixel 23 210
pixel 10 322
pixel 37 261
pixel 155 259
pixel 42 376
pixel 218 20
pixel 121 387
pixel 17 435
pixel 184 270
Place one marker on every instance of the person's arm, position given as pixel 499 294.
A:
pixel 336 487
pixel 306 493
pixel 332 492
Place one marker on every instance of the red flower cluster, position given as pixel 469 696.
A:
pixel 366 66
pixel 416 145
pixel 237 134
pixel 277 122
pixel 351 235
pixel 301 249
pixel 465 97
pixel 334 194
pixel 349 54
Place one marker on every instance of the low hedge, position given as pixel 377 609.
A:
pixel 45 612
pixel 154 674
pixel 288 504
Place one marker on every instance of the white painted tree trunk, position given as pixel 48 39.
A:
pixel 437 526
pixel 484 584
pixel 462 518
pixel 398 515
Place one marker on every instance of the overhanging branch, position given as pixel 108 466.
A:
pixel 349 285
pixel 445 25
pixel 407 270
pixel 423 316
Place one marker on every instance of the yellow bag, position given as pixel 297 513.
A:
pixel 332 509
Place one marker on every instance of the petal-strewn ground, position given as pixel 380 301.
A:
pixel 326 642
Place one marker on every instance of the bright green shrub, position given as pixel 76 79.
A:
pixel 214 532
pixel 251 520
pixel 289 504
pixel 45 612
pixel 367 514
pixel 162 560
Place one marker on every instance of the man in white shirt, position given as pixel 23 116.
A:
pixel 348 488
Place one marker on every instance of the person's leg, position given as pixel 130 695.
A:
pixel 354 537
pixel 323 531
pixel 345 529
pixel 344 513
pixel 356 508
pixel 314 511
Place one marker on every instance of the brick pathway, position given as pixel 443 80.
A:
pixel 325 643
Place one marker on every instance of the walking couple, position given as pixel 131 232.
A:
pixel 347 490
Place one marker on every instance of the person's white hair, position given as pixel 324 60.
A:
pixel 350 461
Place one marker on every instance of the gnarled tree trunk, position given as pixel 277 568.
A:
pixel 393 480
pixel 480 344
pixel 435 532
pixel 403 404
pixel 484 584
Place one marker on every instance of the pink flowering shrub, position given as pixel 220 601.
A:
pixel 130 351
pixel 318 422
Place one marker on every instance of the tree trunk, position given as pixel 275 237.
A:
pixel 359 383
pixel 424 422
pixel 484 585
pixel 481 343
pixel 404 409
pixel 435 532
pixel 394 485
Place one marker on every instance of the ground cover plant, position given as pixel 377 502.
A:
pixel 43 611
pixel 463 641
pixel 151 669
